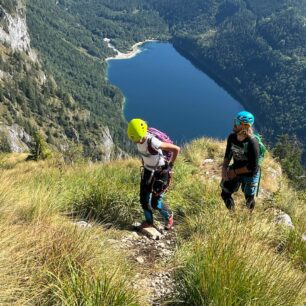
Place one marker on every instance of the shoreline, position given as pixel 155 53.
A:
pixel 120 56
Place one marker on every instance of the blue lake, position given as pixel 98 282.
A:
pixel 165 89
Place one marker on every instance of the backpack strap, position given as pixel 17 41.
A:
pixel 256 137
pixel 151 150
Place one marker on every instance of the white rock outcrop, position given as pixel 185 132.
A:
pixel 17 139
pixel 107 143
pixel 83 224
pixel 15 32
pixel 284 219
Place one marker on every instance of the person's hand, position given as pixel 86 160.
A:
pixel 231 174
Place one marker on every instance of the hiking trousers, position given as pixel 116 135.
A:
pixel 152 187
pixel 249 186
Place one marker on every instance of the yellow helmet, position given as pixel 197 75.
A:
pixel 137 129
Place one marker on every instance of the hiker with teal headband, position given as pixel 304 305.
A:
pixel 243 148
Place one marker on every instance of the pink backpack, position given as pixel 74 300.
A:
pixel 162 137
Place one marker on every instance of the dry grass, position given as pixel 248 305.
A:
pixel 45 260
pixel 40 264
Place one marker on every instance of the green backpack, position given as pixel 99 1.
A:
pixel 262 148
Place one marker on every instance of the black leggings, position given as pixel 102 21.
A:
pixel 230 204
pixel 151 193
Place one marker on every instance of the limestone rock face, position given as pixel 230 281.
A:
pixel 107 143
pixel 14 139
pixel 14 31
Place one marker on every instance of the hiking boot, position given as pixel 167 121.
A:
pixel 169 223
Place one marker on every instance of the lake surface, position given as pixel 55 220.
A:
pixel 165 89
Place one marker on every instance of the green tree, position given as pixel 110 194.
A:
pixel 74 154
pixel 40 149
pixel 289 151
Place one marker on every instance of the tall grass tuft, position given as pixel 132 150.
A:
pixel 59 264
pixel 229 262
pixel 82 288
pixel 111 194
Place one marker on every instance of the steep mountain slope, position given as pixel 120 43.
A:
pixel 255 49
pixel 69 36
pixel 31 97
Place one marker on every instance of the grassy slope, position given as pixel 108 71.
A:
pixel 222 259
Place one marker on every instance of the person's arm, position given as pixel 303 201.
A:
pixel 226 162
pixel 227 158
pixel 171 148
pixel 232 173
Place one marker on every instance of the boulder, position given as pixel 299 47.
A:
pixel 83 224
pixel 284 219
pixel 152 233
pixel 208 161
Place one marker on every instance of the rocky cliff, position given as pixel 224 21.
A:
pixel 14 31
pixel 14 139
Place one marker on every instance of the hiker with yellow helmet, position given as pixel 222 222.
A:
pixel 158 155
pixel 243 147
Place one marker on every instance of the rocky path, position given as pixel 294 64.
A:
pixel 155 277
pixel 153 254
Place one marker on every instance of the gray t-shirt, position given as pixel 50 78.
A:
pixel 151 161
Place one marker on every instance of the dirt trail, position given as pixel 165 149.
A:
pixel 155 277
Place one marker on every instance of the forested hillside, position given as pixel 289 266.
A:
pixel 255 49
pixel 34 100
pixel 69 36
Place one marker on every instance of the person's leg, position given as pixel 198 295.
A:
pixel 228 200
pixel 250 201
pixel 158 203
pixel 160 182
pixel 228 188
pixel 249 187
pixel 145 195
